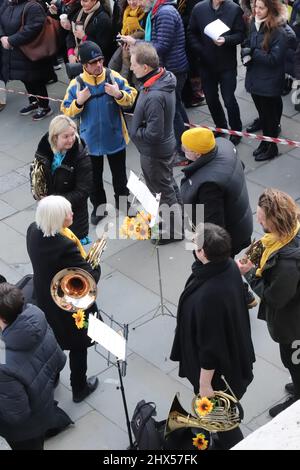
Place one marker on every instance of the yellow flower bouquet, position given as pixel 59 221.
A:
pixel 137 228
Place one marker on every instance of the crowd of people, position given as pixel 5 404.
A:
pixel 150 56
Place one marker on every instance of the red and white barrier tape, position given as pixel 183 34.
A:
pixel 259 137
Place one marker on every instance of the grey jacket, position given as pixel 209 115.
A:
pixel 32 360
pixel 152 123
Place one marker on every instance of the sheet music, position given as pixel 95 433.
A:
pixel 215 29
pixel 107 337
pixel 145 197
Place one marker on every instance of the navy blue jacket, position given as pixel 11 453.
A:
pixel 217 58
pixel 33 359
pixel 168 38
pixel 266 70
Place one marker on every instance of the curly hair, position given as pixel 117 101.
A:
pixel 275 18
pixel 280 210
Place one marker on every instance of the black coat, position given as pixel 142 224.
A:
pixel 14 64
pixel 152 123
pixel 266 70
pixel 98 30
pixel 33 359
pixel 213 328
pixel 279 292
pixel 48 255
pixel 217 58
pixel 217 180
pixel 73 180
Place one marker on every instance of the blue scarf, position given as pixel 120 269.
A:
pixel 148 27
pixel 57 161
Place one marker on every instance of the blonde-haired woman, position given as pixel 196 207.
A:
pixel 67 169
pixel 52 246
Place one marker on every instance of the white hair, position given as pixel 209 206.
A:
pixel 51 213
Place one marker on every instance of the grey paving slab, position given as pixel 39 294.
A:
pixel 14 248
pixel 8 272
pixel 6 210
pixel 21 221
pixel 295 152
pixel 142 381
pixel 265 389
pixel 3 444
pixel 11 181
pixel 145 270
pixel 91 432
pixel 254 190
pixel 75 410
pixel 19 197
pixel 283 173
pixel 8 163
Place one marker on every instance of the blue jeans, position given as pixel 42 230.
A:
pixel 211 80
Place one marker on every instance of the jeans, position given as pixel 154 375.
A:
pixel 37 88
pixel 181 116
pixel 211 80
pixel 117 164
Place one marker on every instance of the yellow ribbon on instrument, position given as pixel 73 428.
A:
pixel 271 244
pixel 66 232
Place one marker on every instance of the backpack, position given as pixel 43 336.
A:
pixel 147 431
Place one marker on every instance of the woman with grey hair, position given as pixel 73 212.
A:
pixel 52 246
pixel 67 169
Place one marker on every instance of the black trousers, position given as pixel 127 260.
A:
pixel 117 164
pixel 211 80
pixel 181 116
pixel 31 444
pixel 78 367
pixel 289 361
pixel 269 110
pixel 37 88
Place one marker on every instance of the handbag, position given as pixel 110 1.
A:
pixel 46 43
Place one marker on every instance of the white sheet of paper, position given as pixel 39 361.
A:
pixel 215 29
pixel 146 198
pixel 107 337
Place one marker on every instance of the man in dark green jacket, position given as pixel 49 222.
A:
pixel 276 280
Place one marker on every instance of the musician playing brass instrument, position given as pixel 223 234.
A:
pixel 52 247
pixel 213 335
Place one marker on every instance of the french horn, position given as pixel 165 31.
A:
pixel 73 289
pixel 226 414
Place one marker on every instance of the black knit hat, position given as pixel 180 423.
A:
pixel 89 51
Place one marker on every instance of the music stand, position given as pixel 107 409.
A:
pixel 121 366
pixel 161 307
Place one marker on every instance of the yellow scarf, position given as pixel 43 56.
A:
pixel 131 20
pixel 66 232
pixel 271 244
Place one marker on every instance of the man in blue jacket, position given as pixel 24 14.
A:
pixel 97 97
pixel 29 365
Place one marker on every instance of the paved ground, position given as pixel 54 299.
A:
pixel 128 289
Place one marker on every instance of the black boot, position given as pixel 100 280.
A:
pixel 95 219
pixel 271 152
pixel 261 148
pixel 255 126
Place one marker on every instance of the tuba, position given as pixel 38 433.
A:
pixel 226 415
pixel 73 289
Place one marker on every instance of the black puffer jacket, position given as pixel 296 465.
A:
pixel 14 64
pixel 217 180
pixel 73 180
pixel 152 123
pixel 33 358
pixel 279 291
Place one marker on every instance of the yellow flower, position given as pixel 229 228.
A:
pixel 200 442
pixel 204 406
pixel 79 317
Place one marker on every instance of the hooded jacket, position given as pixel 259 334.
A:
pixel 102 125
pixel 32 361
pixel 279 291
pixel 152 122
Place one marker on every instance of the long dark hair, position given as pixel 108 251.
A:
pixel 274 20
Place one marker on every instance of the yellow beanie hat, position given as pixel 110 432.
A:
pixel 198 140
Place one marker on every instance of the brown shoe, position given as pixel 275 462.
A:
pixel 2 106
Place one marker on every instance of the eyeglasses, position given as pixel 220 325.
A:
pixel 92 62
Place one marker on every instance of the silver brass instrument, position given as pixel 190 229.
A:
pixel 226 414
pixel 73 289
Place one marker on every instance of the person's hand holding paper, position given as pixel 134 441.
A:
pixel 214 30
